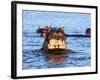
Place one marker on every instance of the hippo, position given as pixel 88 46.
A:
pixel 43 31
pixel 55 41
pixel 88 31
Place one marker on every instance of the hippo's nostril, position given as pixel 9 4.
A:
pixel 54 45
pixel 58 45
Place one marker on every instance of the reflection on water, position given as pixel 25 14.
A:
pixel 77 54
pixel 56 58
pixel 38 59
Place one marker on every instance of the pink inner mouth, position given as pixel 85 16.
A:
pixel 55 44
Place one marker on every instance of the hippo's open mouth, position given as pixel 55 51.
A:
pixel 56 44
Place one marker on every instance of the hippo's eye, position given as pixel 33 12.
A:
pixel 54 45
pixel 60 34
pixel 54 34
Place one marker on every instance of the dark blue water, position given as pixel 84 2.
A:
pixel 77 55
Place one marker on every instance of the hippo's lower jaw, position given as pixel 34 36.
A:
pixel 57 51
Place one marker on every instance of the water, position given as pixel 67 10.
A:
pixel 77 55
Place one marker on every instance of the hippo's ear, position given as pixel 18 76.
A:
pixel 49 29
pixel 61 29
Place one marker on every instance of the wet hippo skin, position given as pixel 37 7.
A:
pixel 55 41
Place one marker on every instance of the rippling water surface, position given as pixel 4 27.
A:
pixel 77 55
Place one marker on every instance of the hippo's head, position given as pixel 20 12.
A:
pixel 55 39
